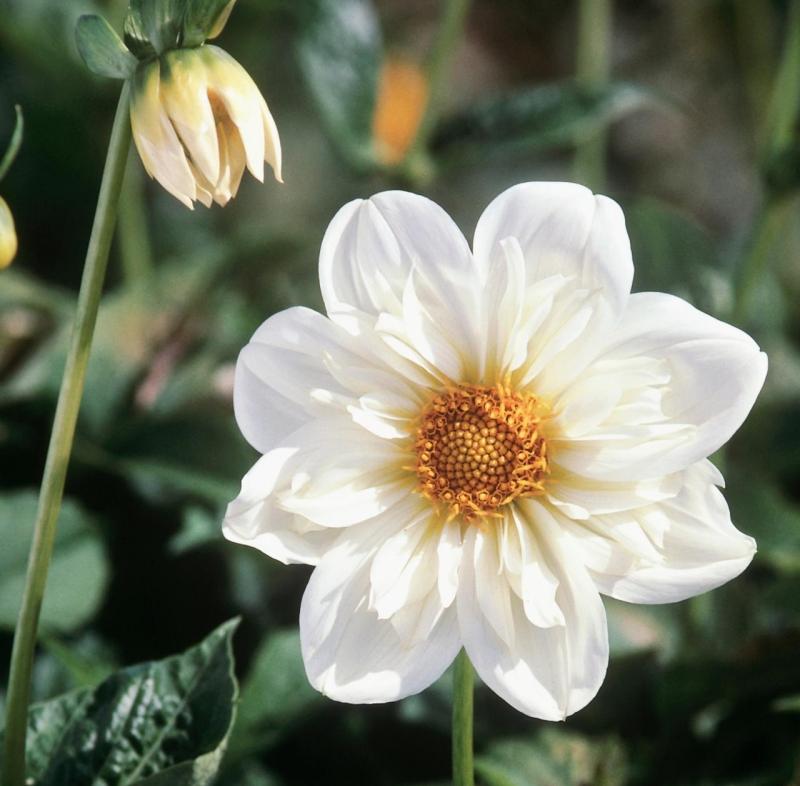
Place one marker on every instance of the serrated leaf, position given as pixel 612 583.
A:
pixel 102 49
pixel 535 118
pixel 204 20
pixel 163 723
pixel 339 51
pixel 78 570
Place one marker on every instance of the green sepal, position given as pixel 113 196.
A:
pixel 135 36
pixel 161 22
pixel 102 49
pixel 204 19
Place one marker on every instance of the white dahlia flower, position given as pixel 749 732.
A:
pixel 473 446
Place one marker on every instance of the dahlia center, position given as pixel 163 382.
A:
pixel 480 447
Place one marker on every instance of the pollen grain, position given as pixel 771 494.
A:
pixel 478 448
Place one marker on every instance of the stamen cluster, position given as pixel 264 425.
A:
pixel 480 447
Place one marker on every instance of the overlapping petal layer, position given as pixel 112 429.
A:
pixel 634 391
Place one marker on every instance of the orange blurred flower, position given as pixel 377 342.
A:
pixel 400 104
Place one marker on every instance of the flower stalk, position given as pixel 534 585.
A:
pixel 593 69
pixel 60 447
pixel 463 679
pixel 449 35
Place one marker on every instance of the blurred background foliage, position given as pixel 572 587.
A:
pixel 685 111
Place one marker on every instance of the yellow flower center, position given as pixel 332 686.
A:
pixel 479 447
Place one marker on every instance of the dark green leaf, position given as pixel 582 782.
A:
pixel 339 51
pixel 78 571
pixel 674 253
pixel 554 758
pixel 537 118
pixel 204 19
pixel 275 693
pixel 163 723
pixel 102 49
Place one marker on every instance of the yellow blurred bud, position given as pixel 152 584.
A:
pixel 8 235
pixel 198 120
pixel 400 104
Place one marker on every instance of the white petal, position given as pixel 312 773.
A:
pixel 280 370
pixel 698 546
pixel 344 474
pixel 184 94
pixel 254 519
pixel 561 228
pixel 158 145
pixel 350 654
pixel 242 100
pixel 715 374
pixel 404 569
pixel 547 673
pixel 369 252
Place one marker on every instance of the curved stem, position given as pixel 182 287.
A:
pixel 448 37
pixel 55 471
pixel 463 679
pixel 593 69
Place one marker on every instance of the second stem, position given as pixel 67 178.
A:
pixel 58 453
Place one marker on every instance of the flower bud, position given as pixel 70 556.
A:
pixel 8 235
pixel 198 120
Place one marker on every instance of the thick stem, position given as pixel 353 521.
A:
pixel 593 69
pixel 449 35
pixel 58 453
pixel 463 679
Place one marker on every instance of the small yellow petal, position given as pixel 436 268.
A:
pixel 8 235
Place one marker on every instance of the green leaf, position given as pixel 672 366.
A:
pixel 78 571
pixel 554 758
pixel 163 723
pixel 537 118
pixel 204 19
pixel 102 49
pixel 761 510
pixel 675 253
pixel 275 693
pixel 339 51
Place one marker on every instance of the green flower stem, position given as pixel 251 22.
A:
pixel 463 679
pixel 449 35
pixel 135 251
pixel 55 471
pixel 593 69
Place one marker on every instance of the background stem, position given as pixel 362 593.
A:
pixel 55 471
pixel 447 39
pixel 593 69
pixel 463 679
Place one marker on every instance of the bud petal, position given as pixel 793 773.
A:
pixel 8 235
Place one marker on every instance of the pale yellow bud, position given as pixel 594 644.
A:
pixel 198 120
pixel 8 235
